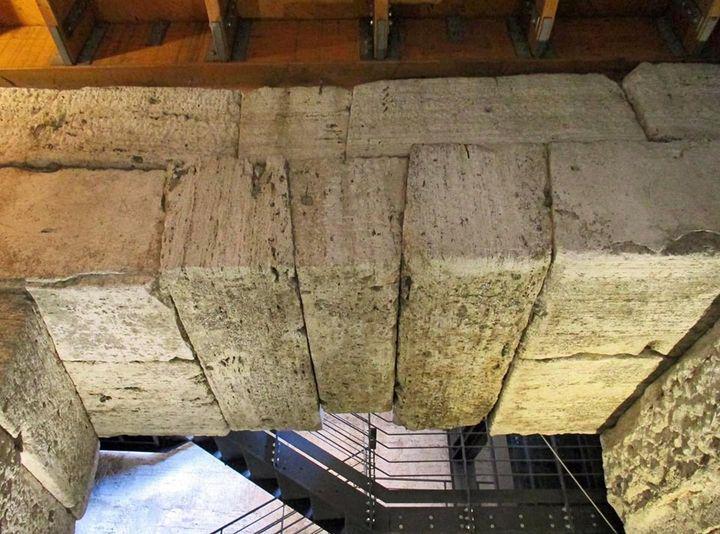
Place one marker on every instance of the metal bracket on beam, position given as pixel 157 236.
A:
pixel 223 29
pixel 542 20
pixel 70 30
pixel 381 28
pixel 695 22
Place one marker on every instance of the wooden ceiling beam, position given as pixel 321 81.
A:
pixel 70 23
pixel 542 20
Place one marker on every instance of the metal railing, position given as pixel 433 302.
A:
pixel 271 517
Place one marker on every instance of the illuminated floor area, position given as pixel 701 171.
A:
pixel 184 490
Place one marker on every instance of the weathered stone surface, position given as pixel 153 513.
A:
pixel 388 117
pixel 228 265
pixel 347 221
pixel 118 126
pixel 126 356
pixel 77 221
pixel 476 246
pixel 637 242
pixel 147 398
pixel 295 122
pixel 676 100
pixel 567 395
pixel 25 506
pixel 39 404
pixel 662 459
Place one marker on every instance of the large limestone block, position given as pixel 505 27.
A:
pixel 87 242
pixel 388 117
pixel 662 460
pixel 568 395
pixel 76 221
pixel 118 126
pixel 39 405
pixel 25 506
pixel 637 260
pixel 124 352
pixel 295 122
pixel 228 265
pixel 476 247
pixel 347 220
pixel 676 100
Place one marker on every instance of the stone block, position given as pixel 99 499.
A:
pixel 347 221
pixel 228 266
pixel 25 506
pixel 661 459
pixel 87 244
pixel 637 252
pixel 476 247
pixel 125 353
pixel 676 100
pixel 39 405
pixel 76 222
pixel 296 123
pixel 119 126
pixel 568 395
pixel 388 117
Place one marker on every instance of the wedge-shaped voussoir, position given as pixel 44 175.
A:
pixel 39 405
pixel 568 395
pixel 118 126
pixel 347 219
pixel 25 505
pixel 637 235
pixel 676 100
pixel 388 117
pixel 476 247
pixel 228 265
pixel 295 122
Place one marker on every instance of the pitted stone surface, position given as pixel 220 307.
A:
pixel 39 404
pixel 76 221
pixel 637 237
pixel 125 354
pixel 228 265
pixel 676 100
pixel 388 117
pixel 662 458
pixel 347 221
pixel 296 123
pixel 147 398
pixel 567 395
pixel 25 506
pixel 119 126
pixel 476 246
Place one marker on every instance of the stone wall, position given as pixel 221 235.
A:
pixel 209 260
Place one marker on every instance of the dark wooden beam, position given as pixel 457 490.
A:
pixel 70 23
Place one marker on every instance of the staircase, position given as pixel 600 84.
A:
pixel 358 476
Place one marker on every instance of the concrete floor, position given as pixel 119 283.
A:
pixel 185 490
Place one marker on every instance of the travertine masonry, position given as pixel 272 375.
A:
pixel 568 395
pixel 88 243
pixel 637 261
pixel 25 506
pixel 347 220
pixel 228 265
pixel 676 101
pixel 124 127
pixel 39 405
pixel 388 117
pixel 296 123
pixel 476 246
pixel 662 460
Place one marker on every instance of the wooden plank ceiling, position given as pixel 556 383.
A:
pixel 247 43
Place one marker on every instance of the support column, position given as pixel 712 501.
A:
pixel 70 24
pixel 542 19
pixel 222 15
